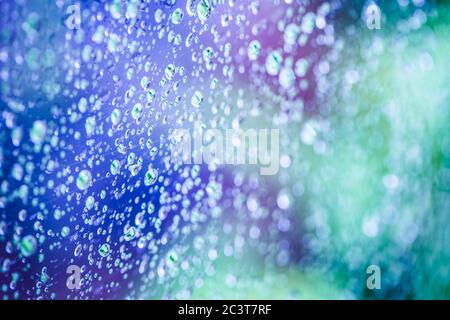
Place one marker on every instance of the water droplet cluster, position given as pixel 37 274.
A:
pixel 86 120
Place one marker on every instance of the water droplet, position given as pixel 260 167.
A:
pixel 90 125
pixel 77 250
pixel 208 54
pixel 291 34
pixel 115 9
pixel 65 231
pixel 132 9
pixel 204 9
pixel 84 180
pixel 137 111
pixel 28 245
pixel 130 233
pixel 115 116
pixel 190 7
pixel 150 177
pixel 197 99
pixel 254 49
pixel 170 71
pixel 151 95
pixel 159 16
pixel 104 250
pixel 115 167
pixel 90 201
pixel 177 16
pixel 301 67
pixel 273 63
pixel 287 77
pixel 38 131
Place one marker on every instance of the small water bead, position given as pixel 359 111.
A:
pixel 139 220
pixel 177 16
pixel 291 34
pixel 3 228
pixel 301 67
pixel 16 136
pixel 129 233
pixel 130 73
pixel 151 95
pixel 132 9
pixel 171 36
pixel 115 117
pixel 144 82
pixel 308 23
pixel 65 231
pixel 273 63
pixel 170 71
pixel 214 83
pixel 141 242
pixel 90 125
pixel 178 39
pixel 153 151
pixel 38 131
pixel 190 7
pixel 17 172
pixel 130 93
pixel 113 42
pixel 159 16
pixel 204 9
pixel 84 180
pixel 197 99
pixel 99 35
pixel 136 112
pixel 115 9
pixel 58 214
pixel 82 105
pixel 173 257
pixel 77 251
pixel 150 177
pixel 208 54
pixel 22 215
pixel 287 77
pixel 134 169
pixel 214 190
pixel 104 250
pixel 150 208
pixel 254 50
pixel 131 158
pixel 115 167
pixel 90 201
pixel 28 245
